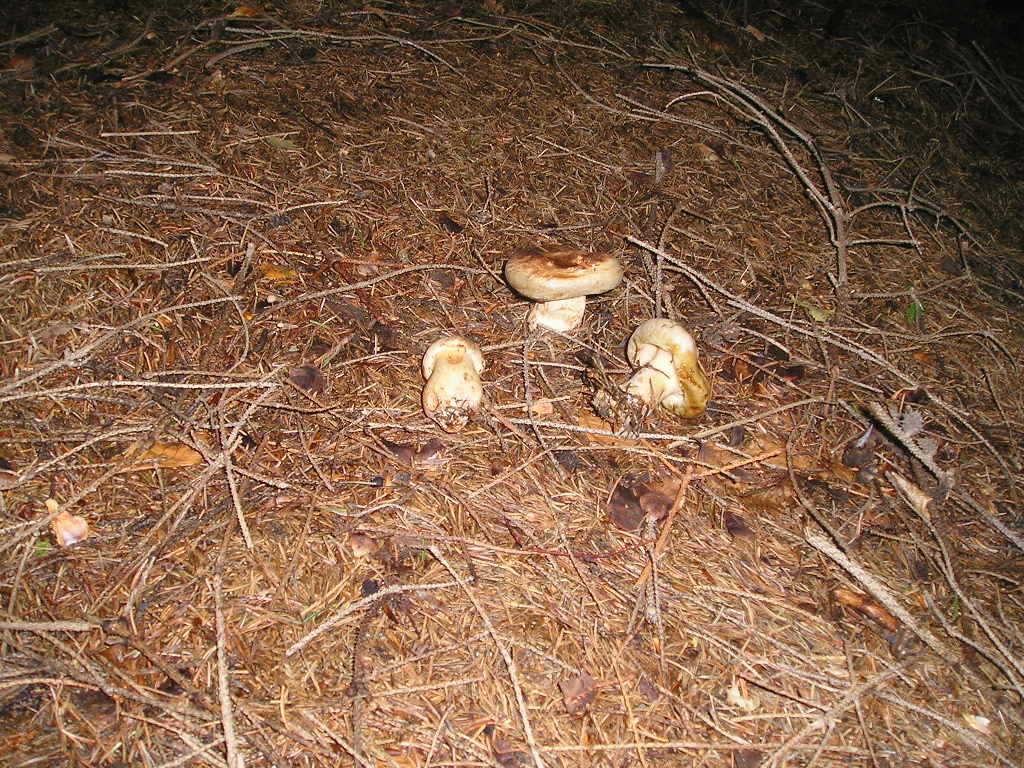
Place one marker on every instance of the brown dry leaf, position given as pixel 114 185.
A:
pixel 589 420
pixel 430 455
pixel 662 165
pixel 405 453
pixel 647 689
pixel 705 153
pixel 20 63
pixel 746 758
pixel 578 693
pixel 67 529
pixel 716 457
pixel 449 225
pixel 624 508
pixel 508 756
pixel 278 274
pixel 362 545
pixel 654 503
pixel 866 606
pixel 308 378
pixel 737 526
pixel 171 455
pixel 246 12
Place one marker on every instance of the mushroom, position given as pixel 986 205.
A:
pixel 452 394
pixel 668 373
pixel 560 279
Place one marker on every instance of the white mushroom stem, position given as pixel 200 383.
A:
pixel 453 391
pixel 563 315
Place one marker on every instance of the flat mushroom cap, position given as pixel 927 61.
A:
pixel 561 273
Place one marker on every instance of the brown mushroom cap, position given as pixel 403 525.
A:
pixel 561 273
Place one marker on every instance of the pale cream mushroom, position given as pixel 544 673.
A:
pixel 560 279
pixel 668 372
pixel 452 368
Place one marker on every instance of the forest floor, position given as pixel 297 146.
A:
pixel 227 236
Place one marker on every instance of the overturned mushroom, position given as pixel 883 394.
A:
pixel 452 394
pixel 668 372
pixel 560 279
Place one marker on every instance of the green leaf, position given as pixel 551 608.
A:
pixel 43 547
pixel 915 310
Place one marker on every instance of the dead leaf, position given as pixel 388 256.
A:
pixel 624 508
pixel 578 693
pixel 508 756
pixel 817 312
pixel 449 225
pixel 405 453
pixel 20 63
pixel 308 378
pixel 569 460
pixel 736 436
pixel 859 453
pixel 589 420
pixel 866 606
pixel 654 503
pixel 705 153
pixel 246 12
pixel 774 498
pixel 170 455
pixel 67 529
pixel 746 758
pixel 362 545
pixel 647 690
pixel 277 274
pixel 737 526
pixel 431 454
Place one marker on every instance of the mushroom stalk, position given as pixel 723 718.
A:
pixel 453 391
pixel 562 315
